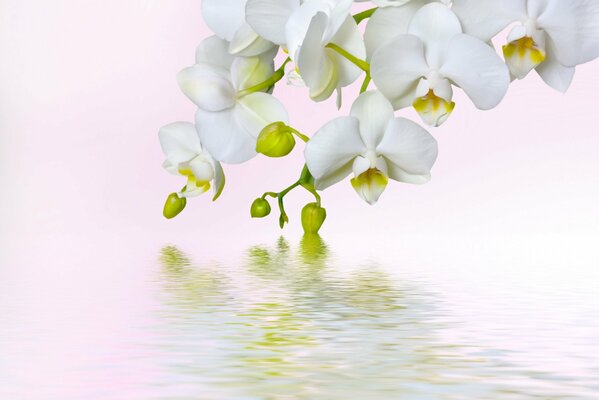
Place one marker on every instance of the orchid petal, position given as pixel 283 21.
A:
pixel 397 67
pixel 373 112
pixel 435 25
pixel 477 69
pixel 180 143
pixel 332 149
pixel 553 73
pixel 315 64
pixel 348 37
pixel 214 51
pixel 410 151
pixel 370 185
pixel 224 137
pixel 572 25
pixel 486 18
pixel 247 72
pixel 269 17
pixel 224 17
pixel 340 12
pixel 247 43
pixel 219 180
pixel 296 29
pixel 388 22
pixel 202 167
pixel 301 21
pixel 207 86
pixel 390 3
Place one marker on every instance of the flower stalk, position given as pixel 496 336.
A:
pixel 363 65
pixel 364 15
pixel 267 84
pixel 306 180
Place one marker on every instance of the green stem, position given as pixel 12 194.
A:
pixel 277 76
pixel 363 65
pixel 299 134
pixel 364 14
pixel 306 181
pixel 271 194
pixel 314 193
pixel 283 218
pixel 365 83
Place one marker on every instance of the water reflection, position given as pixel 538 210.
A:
pixel 292 323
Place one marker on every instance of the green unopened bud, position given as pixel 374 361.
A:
pixel 260 208
pixel 275 140
pixel 313 217
pixel 173 205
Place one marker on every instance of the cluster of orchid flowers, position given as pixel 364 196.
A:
pixel 413 53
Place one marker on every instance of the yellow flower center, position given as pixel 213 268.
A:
pixel 522 56
pixel 370 184
pixel 433 109
pixel 192 183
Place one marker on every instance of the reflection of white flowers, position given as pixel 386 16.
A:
pixel 414 53
pixel 228 120
pixel 551 36
pixel 185 156
pixel 419 68
pixel 373 145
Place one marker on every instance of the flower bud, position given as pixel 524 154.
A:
pixel 313 217
pixel 260 208
pixel 275 140
pixel 173 205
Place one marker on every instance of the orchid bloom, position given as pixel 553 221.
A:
pixel 228 20
pixel 231 111
pixel 307 30
pixel 397 3
pixel 373 144
pixel 551 36
pixel 388 22
pixel 185 156
pixel 419 68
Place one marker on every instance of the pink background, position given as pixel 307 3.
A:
pixel 85 86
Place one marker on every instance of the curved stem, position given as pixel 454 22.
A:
pixel 284 218
pixel 314 193
pixel 306 180
pixel 363 65
pixel 364 15
pixel 299 134
pixel 271 194
pixel 365 84
pixel 277 76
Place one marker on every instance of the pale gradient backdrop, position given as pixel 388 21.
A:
pixel 513 207
pixel 85 86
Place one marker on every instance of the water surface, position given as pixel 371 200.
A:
pixel 296 321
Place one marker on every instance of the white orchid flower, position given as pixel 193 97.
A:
pixel 551 36
pixel 322 68
pixel 228 20
pixel 388 22
pixel 185 156
pixel 305 29
pixel 229 116
pixel 397 3
pixel 419 68
pixel 373 145
pixel 269 18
